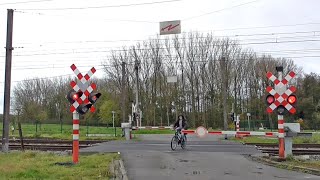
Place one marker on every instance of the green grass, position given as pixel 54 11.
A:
pixel 255 139
pixel 40 165
pixel 315 139
pixel 53 131
pixel 154 131
pixel 302 163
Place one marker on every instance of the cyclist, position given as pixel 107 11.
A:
pixel 181 124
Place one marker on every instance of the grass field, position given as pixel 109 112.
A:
pixel 40 165
pixel 54 131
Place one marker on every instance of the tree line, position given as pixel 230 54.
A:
pixel 215 76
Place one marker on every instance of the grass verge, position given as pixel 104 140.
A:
pixel 293 164
pixel 41 165
pixel 55 131
pixel 315 139
pixel 255 139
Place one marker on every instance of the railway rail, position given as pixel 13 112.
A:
pixel 49 144
pixel 54 141
pixel 297 149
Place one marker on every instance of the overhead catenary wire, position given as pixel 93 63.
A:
pixel 25 2
pixel 220 10
pixel 50 77
pixel 92 18
pixel 140 21
pixel 275 38
pixel 164 57
pixel 100 7
pixel 250 43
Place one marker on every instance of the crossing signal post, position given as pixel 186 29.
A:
pixel 82 99
pixel 281 99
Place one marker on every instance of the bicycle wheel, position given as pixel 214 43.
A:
pixel 184 142
pixel 174 143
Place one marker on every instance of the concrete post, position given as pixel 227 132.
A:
pixel 287 146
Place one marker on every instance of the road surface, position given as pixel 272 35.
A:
pixel 204 159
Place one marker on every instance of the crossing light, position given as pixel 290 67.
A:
pixel 281 110
pixel 292 99
pixel 270 99
pixel 83 108
pixel 232 116
pixel 93 97
pixel 73 96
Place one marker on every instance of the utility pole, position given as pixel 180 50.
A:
pixel 136 68
pixel 234 115
pixel 123 88
pixel 224 92
pixel 7 84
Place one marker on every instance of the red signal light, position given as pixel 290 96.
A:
pixel 270 99
pixel 75 96
pixel 292 99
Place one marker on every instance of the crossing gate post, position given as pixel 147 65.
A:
pixel 82 99
pixel 280 99
pixel 75 138
pixel 281 136
pixel 238 126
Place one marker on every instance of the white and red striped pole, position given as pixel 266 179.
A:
pixel 281 136
pixel 75 146
pixel 237 126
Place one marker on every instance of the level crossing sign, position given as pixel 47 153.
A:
pixel 280 97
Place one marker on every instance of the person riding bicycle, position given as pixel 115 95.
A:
pixel 181 124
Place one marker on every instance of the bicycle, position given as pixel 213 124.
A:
pixel 177 139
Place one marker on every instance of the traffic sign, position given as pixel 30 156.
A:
pixel 170 27
pixel 85 88
pixel 280 97
pixel 201 131
pixel 82 99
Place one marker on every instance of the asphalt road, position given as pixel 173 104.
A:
pixel 204 159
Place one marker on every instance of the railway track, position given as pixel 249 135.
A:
pixel 44 147
pixel 307 146
pixel 49 144
pixel 297 149
pixel 54 141
pixel 274 152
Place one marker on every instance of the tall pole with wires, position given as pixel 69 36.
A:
pixel 123 89
pixel 7 86
pixel 137 93
pixel 224 92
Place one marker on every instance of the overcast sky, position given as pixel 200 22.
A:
pixel 50 35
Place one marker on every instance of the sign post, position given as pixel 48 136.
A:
pixel 248 116
pixel 82 99
pixel 282 99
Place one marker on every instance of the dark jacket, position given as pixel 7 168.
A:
pixel 184 124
